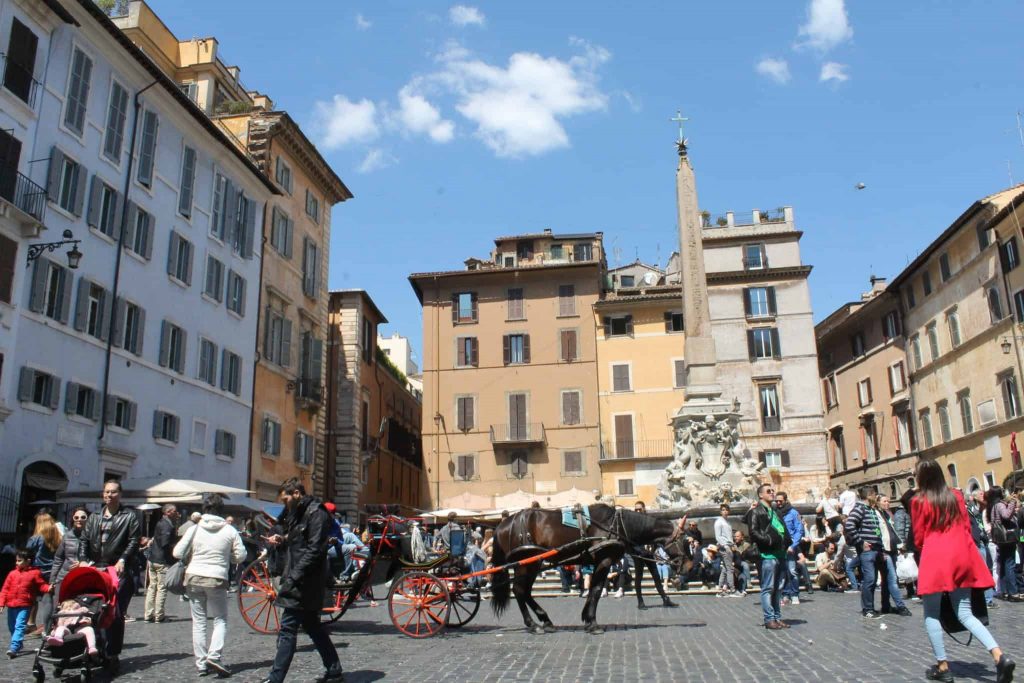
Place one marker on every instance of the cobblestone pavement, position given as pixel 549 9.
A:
pixel 705 639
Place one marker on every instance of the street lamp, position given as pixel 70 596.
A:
pixel 1005 345
pixel 74 255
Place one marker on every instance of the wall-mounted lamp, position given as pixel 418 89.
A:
pixel 74 256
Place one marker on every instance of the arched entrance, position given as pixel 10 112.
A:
pixel 41 481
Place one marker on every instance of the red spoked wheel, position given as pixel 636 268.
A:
pixel 256 599
pixel 419 604
pixel 465 604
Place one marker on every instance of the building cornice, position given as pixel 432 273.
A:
pixel 761 275
pixel 416 278
pixel 752 236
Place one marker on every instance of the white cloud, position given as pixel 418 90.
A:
pixel 834 71
pixel 362 23
pixel 775 69
pixel 827 25
pixel 342 122
pixel 632 100
pixel 417 115
pixel 518 109
pixel 464 15
pixel 375 160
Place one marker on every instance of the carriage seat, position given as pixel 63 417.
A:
pixel 425 566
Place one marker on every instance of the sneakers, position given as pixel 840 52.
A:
pixel 871 614
pixel 618 593
pixel 217 668
pixel 850 591
pixel 795 600
pixel 11 654
pixel 903 612
pixel 936 674
pixel 1004 669
pixel 786 601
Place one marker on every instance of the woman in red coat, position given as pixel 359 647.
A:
pixel 950 563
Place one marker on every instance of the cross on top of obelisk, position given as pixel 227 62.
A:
pixel 680 119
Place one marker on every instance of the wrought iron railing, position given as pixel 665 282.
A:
pixel 524 432
pixel 22 192
pixel 310 390
pixel 636 448
pixel 19 81
pixel 755 263
pixel 773 216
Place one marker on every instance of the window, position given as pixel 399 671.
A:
pixel 933 340
pixel 984 236
pixel 566 300
pixel 191 90
pixel 987 413
pixel 311 361
pixel 65 183
pixel 572 461
pixel 465 408
pixel 369 343
pixel 945 430
pixel 625 487
pixel 270 437
pixel 627 281
pixel 763 342
pixel 516 349
pixel 464 307
pixel 104 208
pixel 467 352
pixel 903 435
pixel 78 92
pixel 870 433
pixel 954 480
pixel 897 378
pixel 208 361
pixel 770 416
pixel 51 290
pixel 926 283
pixel 618 326
pixel 188 180
pixel 365 442
pixel 236 293
pixel 1018 305
pixel 19 74
pixel 963 400
pixel 915 350
pixel 568 345
pixel 838 450
pixel 911 302
pixel 995 306
pixel 1011 399
pixel 773 459
pixel 891 325
pixel 121 413
pixel 557 252
pixel 678 373
pixel 41 388
pixel 214 287
pixel 147 148
pixel 139 236
pixel 990 480
pixel 242 229
pixel 283 175
pixel 925 418
pixel 582 251
pixel 465 467
pixel 831 395
pixel 231 372
pixel 953 322
pixel 304 444
pixel 754 257
pixel 172 347
pixel 572 407
pixel 857 345
pixel 944 270
pixel 673 322
pixel 310 268
pixel 129 327
pixel 282 229
pixel 312 206
pixel 222 191
pixel 277 338
pixel 759 302
pixel 624 446
pixel 864 392
pixel 117 112
pixel 179 259
pixel 92 311
pixel 516 310
pixel 621 377
pixel 165 426
pixel 224 443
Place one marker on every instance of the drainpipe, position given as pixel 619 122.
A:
pixel 117 261
pixel 330 423
pixel 256 356
pixel 437 391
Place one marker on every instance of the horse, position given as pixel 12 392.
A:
pixel 610 533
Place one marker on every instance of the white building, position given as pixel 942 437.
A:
pixel 400 351
pixel 139 362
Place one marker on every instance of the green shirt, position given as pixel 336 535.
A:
pixel 774 520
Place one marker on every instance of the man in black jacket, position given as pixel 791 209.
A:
pixel 111 539
pixel 305 526
pixel 769 534
pixel 160 558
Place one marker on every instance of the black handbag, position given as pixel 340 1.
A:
pixel 174 577
pixel 949 620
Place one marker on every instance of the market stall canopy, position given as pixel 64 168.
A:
pixel 469 501
pixel 156 490
pixel 459 512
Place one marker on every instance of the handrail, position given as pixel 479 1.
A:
pixel 22 192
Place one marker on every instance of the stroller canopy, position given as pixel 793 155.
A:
pixel 87 580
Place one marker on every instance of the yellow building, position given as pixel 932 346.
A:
pixel 640 373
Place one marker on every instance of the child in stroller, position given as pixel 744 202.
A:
pixel 75 616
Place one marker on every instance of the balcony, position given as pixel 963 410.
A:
pixel 19 81
pixel 524 432
pixel 636 448
pixel 309 390
pixel 24 194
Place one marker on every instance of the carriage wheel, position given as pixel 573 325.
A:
pixel 337 603
pixel 256 599
pixel 465 605
pixel 419 604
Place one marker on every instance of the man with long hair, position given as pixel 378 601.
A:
pixel 949 564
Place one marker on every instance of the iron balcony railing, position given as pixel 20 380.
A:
pixel 524 432
pixel 310 390
pixel 19 81
pixel 22 192
pixel 773 216
pixel 636 448
pixel 755 263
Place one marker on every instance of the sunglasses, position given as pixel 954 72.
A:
pixel 80 519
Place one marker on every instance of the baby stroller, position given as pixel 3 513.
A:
pixel 96 591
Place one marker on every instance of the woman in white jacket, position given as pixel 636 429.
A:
pixel 210 547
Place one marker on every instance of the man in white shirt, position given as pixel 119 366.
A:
pixel 847 500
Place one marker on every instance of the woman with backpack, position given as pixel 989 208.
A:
pixel 949 564
pixel 1002 515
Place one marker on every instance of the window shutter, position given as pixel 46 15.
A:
pixel 276 228
pixel 241 286
pixel 132 216
pixel 37 295
pixel 165 342
pixel 158 418
pixel 564 342
pixel 668 321
pixel 53 173
pixel 455 308
pixel 506 351
pixel 607 326
pixel 268 350
pixel 142 328
pixel 147 146
pixel 189 249
pixel 54 392
pixel 474 300
pixel 179 365
pixel 172 253
pixel 115 228
pixel 629 325
pixel 133 412
pixel 95 194
pixel 80 176
pixel 25 384
pixel 106 308
pixel 298 446
pixel 317 361
pixel 224 378
pixel 475 352
pixel 82 304
pixel 680 372
pixel 771 300
pixel 526 348
pixel 111 409
pixel 892 386
pixel 286 342
pixel 870 396
pixel 289 225
pixel 265 436
pixel 71 398
pixel 776 348
pixel 747 307
pixel 250 229
pixel 750 345
pixel 470 417
pixel 785 458
pixel 65 300
pixel 460 350
pixel 760 457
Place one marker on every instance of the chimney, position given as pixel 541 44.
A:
pixel 547 231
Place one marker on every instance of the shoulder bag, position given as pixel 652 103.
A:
pixel 174 578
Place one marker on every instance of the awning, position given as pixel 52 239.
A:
pixel 154 490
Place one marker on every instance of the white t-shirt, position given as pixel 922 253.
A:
pixel 828 508
pixel 847 499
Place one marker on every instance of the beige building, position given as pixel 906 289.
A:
pixel 865 388
pixel 510 396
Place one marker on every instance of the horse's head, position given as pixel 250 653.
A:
pixel 679 554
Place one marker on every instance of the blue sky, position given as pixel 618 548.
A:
pixel 453 124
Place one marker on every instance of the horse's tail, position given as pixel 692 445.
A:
pixel 501 587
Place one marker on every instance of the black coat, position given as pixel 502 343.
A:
pixel 304 577
pixel 766 537
pixel 122 543
pixel 163 542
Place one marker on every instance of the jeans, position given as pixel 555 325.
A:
pixel 566 577
pixel 156 594
pixel 310 622
pixel 208 601
pixel 1006 556
pixel 346 554
pixel 990 593
pixel 663 572
pixel 791 588
pixel 890 584
pixel 851 564
pixel 17 618
pixel 961 599
pixel 744 572
pixel 115 634
pixel 868 567
pixel 727 579
pixel 773 576
pixel 44 608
